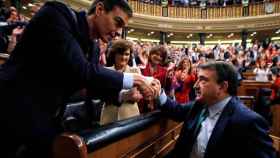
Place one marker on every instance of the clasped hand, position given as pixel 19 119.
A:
pixel 144 87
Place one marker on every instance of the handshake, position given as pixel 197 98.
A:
pixel 147 88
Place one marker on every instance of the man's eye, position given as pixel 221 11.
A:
pixel 119 22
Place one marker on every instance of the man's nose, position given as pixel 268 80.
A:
pixel 118 32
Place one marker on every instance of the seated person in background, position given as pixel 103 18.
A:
pixel 154 69
pixel 141 57
pixel 120 59
pixel 262 71
pixel 275 87
pixel 217 124
pixel 17 32
pixel 185 80
pixel 13 15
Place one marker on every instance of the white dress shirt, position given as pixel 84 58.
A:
pixel 207 127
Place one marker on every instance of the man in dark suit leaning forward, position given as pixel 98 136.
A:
pixel 56 57
pixel 217 124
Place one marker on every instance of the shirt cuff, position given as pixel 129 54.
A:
pixel 127 80
pixel 162 97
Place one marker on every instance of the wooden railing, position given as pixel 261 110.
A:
pixel 143 8
pixel 233 11
pixel 149 135
pixel 251 87
pixel 275 129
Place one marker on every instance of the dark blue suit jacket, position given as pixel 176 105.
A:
pixel 47 66
pixel 239 132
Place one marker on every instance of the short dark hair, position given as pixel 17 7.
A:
pixel 224 72
pixel 159 50
pixel 110 4
pixel 119 47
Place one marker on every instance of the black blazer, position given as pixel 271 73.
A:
pixel 47 66
pixel 239 132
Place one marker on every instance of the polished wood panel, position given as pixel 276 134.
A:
pixel 251 87
pixel 275 129
pixel 192 19
pixel 155 141
pixel 249 101
pixel 195 12
pixel 69 145
pixel 249 75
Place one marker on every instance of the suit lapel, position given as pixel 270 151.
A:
pixel 220 126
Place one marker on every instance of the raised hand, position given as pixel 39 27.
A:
pixel 156 86
pixel 143 84
pixel 132 95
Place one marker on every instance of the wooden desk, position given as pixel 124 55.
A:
pixel 251 87
pixel 249 101
pixel 154 139
pixel 249 75
pixel 275 129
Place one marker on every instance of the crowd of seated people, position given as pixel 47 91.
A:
pixel 209 3
pixel 175 67
pixel 120 59
pixel 12 26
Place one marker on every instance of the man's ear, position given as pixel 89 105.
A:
pixel 224 85
pixel 99 8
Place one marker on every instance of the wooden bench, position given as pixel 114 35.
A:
pixel 275 129
pixel 249 75
pixel 249 101
pixel 149 135
pixel 251 87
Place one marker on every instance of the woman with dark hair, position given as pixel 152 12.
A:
pixel 262 71
pixel 184 80
pixel 120 59
pixel 154 68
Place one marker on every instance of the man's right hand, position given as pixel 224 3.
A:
pixel 144 86
pixel 156 86
pixel 132 95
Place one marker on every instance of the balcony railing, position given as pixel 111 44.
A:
pixel 232 11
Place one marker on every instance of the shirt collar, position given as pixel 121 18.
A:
pixel 218 107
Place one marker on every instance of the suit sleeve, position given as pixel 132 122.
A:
pixel 174 110
pixel 106 84
pixel 259 142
